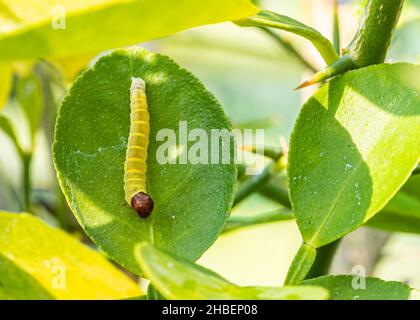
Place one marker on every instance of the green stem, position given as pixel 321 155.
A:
pixel 289 48
pixel 256 182
pixel 26 180
pixel 269 152
pixel 301 265
pixel 270 19
pixel 371 43
pixel 235 223
pixel 323 261
pixel 277 194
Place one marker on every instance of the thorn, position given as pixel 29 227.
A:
pixel 247 148
pixel 342 65
pixel 283 144
pixel 305 84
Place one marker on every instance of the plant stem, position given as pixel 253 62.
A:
pixel 371 43
pixel 277 194
pixel 289 48
pixel 301 265
pixel 269 152
pixel 256 182
pixel 26 180
pixel 323 261
pixel 235 223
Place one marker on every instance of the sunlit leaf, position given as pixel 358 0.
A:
pixel 41 262
pixel 51 29
pixel 5 83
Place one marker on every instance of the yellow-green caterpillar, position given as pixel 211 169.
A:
pixel 135 166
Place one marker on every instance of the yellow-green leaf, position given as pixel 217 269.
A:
pixel 38 261
pixel 47 28
pixel 6 73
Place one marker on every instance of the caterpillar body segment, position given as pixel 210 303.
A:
pixel 135 166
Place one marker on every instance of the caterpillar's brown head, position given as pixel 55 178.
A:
pixel 143 204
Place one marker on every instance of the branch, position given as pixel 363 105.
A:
pixel 371 43
pixel 235 223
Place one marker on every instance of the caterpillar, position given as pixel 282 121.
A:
pixel 135 166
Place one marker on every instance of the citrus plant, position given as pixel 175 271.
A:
pixel 352 160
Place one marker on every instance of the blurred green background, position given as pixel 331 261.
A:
pixel 253 78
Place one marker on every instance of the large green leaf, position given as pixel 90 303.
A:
pixel 354 145
pixel 32 29
pixel 40 262
pixel 348 287
pixel 180 279
pixel 191 201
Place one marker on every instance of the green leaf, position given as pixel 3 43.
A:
pixel 348 287
pixel 6 74
pixel 8 128
pixel 192 202
pixel 354 145
pixel 402 214
pixel 176 278
pixel 34 29
pixel 41 262
pixel 271 19
pixel 30 98
pixel 153 294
